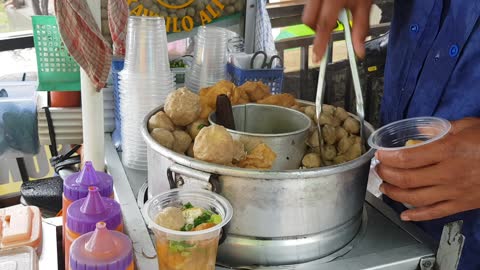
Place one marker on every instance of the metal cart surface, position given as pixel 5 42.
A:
pixel 384 242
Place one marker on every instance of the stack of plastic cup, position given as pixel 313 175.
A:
pixel 210 58
pixel 145 82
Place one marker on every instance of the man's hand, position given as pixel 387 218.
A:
pixel 322 15
pixel 439 179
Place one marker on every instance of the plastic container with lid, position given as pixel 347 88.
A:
pixel 101 249
pixel 185 250
pixel 84 214
pixel 20 226
pixel 76 186
pixel 20 258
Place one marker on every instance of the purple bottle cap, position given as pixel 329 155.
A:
pixel 84 214
pixel 102 249
pixel 76 185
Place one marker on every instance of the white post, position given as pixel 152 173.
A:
pixel 92 111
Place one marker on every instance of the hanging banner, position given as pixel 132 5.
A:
pixel 184 15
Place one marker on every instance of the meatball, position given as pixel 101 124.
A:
pixel 311 112
pixel 312 160
pixel 183 107
pixel 194 128
pixel 327 119
pixel 171 218
pixel 340 133
pixel 329 134
pixel 351 125
pixel 160 120
pixel 164 137
pixel 314 141
pixel 328 109
pixel 329 152
pixel 182 141
pixel 214 144
pixel 354 152
pixel 328 163
pixel 339 159
pixel 344 144
pixel 357 139
pixel 341 114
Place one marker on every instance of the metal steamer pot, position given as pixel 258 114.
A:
pixel 279 217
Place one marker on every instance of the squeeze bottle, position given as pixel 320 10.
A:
pixel 75 187
pixel 102 249
pixel 84 214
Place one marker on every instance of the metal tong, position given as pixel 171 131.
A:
pixel 356 81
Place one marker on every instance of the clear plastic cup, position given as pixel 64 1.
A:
pixel 139 160
pixel 135 149
pixel 210 51
pixel 134 166
pixel 148 84
pixel 394 136
pixel 144 91
pixel 422 130
pixel 178 250
pixel 146 45
pixel 146 76
pixel 136 79
pixel 140 82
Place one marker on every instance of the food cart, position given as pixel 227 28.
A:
pixel 374 237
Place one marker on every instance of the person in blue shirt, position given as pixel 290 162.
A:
pixel 432 69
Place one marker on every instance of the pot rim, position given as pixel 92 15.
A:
pixel 263 135
pixel 251 173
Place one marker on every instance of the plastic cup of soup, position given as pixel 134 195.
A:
pixel 196 246
pixel 408 133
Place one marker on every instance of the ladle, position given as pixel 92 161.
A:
pixel 224 113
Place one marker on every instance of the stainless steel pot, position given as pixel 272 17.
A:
pixel 280 217
pixel 284 130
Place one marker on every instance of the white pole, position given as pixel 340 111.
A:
pixel 92 111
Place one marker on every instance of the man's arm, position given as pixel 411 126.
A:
pixel 439 179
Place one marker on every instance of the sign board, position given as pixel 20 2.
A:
pixel 184 15
pixel 38 167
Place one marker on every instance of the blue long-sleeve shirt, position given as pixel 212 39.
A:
pixel 433 69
